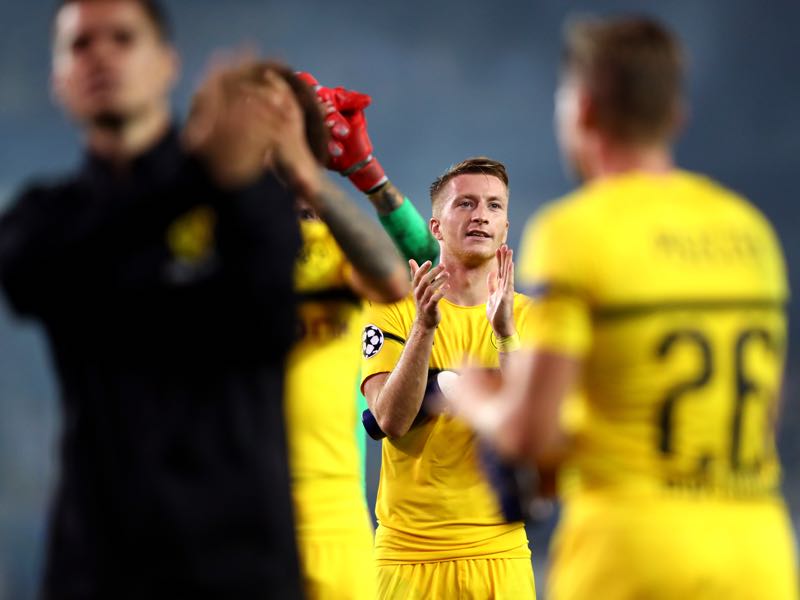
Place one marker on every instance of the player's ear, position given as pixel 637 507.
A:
pixel 58 87
pixel 505 233
pixel 680 117
pixel 435 227
pixel 587 110
pixel 172 65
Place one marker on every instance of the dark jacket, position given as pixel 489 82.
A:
pixel 169 311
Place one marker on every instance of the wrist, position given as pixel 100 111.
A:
pixel 304 176
pixel 368 175
pixel 506 327
pixel 423 327
pixel 508 343
pixel 231 174
pixel 386 199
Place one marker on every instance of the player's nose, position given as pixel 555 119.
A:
pixel 479 216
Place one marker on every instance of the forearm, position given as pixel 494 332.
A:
pixel 366 246
pixel 506 359
pixel 401 220
pixel 507 351
pixel 400 399
pixel 529 426
pixel 386 199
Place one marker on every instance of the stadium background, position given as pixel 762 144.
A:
pixel 450 79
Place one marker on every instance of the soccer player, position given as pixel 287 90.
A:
pixel 334 530
pixel 441 533
pixel 659 340
pixel 163 279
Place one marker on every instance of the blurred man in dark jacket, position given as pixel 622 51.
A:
pixel 163 278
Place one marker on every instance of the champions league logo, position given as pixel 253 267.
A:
pixel 371 341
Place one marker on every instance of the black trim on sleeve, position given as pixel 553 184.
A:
pixel 391 336
pixel 551 288
pixel 624 311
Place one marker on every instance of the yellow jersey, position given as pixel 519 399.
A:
pixel 672 290
pixel 434 503
pixel 321 410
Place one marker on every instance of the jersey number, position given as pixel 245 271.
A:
pixel 745 386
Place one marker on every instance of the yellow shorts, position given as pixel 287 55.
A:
pixel 463 579
pixel 334 539
pixel 612 548
pixel 338 567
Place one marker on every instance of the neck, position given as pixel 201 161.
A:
pixel 612 158
pixel 121 144
pixel 468 285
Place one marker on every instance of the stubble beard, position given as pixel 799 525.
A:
pixel 111 121
pixel 474 259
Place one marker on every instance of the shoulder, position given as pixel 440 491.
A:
pixel 40 193
pixel 52 186
pixel 521 301
pixel 558 220
pixel 714 191
pixel 559 239
pixel 567 207
pixel 395 315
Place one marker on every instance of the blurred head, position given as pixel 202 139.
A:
pixel 621 80
pixel 113 62
pixel 305 212
pixel 313 115
pixel 317 135
pixel 470 210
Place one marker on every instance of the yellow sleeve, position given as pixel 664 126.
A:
pixel 555 273
pixel 383 338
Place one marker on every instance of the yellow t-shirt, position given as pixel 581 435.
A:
pixel 672 290
pixel 434 502
pixel 321 411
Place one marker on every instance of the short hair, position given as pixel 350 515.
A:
pixel 152 8
pixel 478 164
pixel 632 68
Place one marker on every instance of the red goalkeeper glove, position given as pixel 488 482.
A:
pixel 350 148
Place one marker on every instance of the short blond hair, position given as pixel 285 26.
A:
pixel 478 164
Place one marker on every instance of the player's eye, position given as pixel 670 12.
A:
pixel 496 205
pixel 124 37
pixel 81 43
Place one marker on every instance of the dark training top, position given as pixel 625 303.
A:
pixel 169 311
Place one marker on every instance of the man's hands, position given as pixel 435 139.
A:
pixel 500 303
pixel 350 148
pixel 244 118
pixel 430 286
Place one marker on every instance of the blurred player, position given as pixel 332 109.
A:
pixel 660 334
pixel 441 533
pixel 163 279
pixel 334 529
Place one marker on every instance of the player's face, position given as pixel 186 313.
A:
pixel 305 212
pixel 109 62
pixel 472 219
